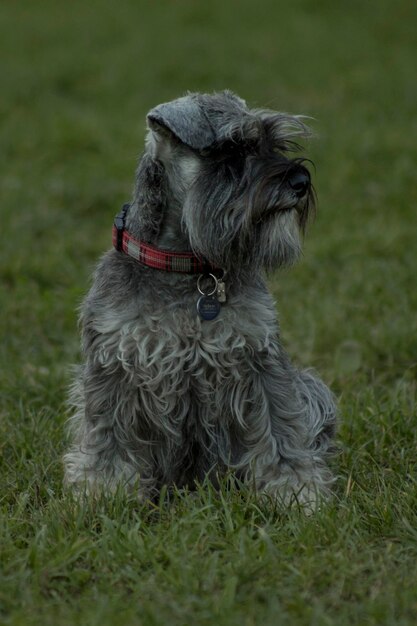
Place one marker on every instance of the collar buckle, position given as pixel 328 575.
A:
pixel 119 227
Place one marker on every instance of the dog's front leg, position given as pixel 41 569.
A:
pixel 287 431
pixel 107 451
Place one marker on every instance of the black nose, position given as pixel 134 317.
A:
pixel 299 182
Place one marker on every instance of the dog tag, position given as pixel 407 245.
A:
pixel 221 291
pixel 208 307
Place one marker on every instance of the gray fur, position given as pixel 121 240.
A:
pixel 164 397
pixel 200 120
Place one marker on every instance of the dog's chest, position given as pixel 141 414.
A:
pixel 172 351
pixel 176 371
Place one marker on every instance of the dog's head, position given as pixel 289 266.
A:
pixel 223 180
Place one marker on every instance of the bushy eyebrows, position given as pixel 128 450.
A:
pixel 277 134
pixel 283 131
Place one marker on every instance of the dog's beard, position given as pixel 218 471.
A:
pixel 280 239
pixel 262 228
pixel 273 241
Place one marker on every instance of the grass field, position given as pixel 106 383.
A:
pixel 77 80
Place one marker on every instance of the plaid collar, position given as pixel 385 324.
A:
pixel 183 262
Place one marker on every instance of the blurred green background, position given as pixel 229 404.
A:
pixel 77 80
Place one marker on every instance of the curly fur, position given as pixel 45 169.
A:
pixel 166 398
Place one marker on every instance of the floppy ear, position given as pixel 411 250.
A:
pixel 185 119
pixel 197 120
pixel 150 198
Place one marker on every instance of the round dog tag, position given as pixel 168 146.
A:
pixel 208 307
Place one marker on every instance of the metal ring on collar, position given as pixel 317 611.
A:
pixel 199 284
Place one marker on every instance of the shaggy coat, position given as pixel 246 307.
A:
pixel 163 396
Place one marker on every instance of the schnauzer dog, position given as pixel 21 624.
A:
pixel 184 373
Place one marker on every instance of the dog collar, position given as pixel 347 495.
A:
pixel 182 262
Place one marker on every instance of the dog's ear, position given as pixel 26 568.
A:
pixel 185 120
pixel 150 199
pixel 196 120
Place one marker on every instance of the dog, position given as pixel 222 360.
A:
pixel 184 374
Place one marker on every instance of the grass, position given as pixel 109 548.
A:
pixel 79 78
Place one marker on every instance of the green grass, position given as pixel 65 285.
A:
pixel 77 80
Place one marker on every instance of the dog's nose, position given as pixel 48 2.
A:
pixel 299 183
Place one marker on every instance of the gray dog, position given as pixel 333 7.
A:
pixel 184 374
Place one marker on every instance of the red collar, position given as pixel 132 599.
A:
pixel 183 262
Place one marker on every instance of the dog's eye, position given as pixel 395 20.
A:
pixel 242 148
pixel 228 149
pixel 234 151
